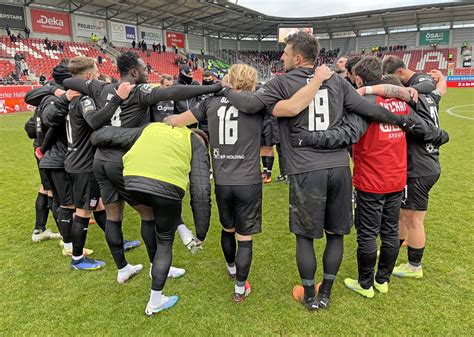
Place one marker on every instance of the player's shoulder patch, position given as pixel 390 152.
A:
pixel 146 88
pixel 87 104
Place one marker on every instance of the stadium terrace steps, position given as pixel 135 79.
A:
pixel 424 60
pixel 40 60
pixel 163 63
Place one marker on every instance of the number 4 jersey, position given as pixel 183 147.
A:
pixel 234 138
pixel 325 111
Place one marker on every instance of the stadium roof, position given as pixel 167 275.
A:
pixel 229 20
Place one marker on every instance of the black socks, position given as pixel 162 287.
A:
pixel 228 245
pixel 149 237
pixel 243 260
pixel 41 208
pixel 79 234
pixel 101 219
pixel 114 236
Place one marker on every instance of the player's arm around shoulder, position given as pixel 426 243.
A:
pixel 97 118
pixel 303 97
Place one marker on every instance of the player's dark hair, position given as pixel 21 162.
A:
pixel 369 69
pixel 126 62
pixel 64 61
pixel 305 44
pixel 392 63
pixel 351 62
pixel 392 79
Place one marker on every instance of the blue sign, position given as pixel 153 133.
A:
pixel 130 33
pixel 461 78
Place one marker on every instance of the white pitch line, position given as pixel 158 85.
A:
pixel 450 111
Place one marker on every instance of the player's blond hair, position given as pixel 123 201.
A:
pixel 242 77
pixel 80 65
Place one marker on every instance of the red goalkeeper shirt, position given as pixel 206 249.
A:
pixel 380 156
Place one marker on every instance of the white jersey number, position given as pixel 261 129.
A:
pixel 69 130
pixel 434 115
pixel 319 112
pixel 115 120
pixel 228 128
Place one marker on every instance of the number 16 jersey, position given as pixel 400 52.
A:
pixel 326 110
pixel 234 138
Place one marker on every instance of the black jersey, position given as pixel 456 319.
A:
pixel 234 138
pixel 423 157
pixel 80 123
pixel 325 111
pixel 55 155
pixel 423 83
pixel 133 111
pixel 161 110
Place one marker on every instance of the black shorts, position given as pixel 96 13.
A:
pixel 85 191
pixel 266 138
pixel 109 175
pixel 321 201
pixel 240 207
pixel 61 186
pixel 417 192
pixel 43 177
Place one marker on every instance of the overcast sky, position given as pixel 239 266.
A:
pixel 316 8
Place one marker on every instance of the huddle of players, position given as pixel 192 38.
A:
pixel 318 117
pixel 82 177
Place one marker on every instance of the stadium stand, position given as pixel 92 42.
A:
pixel 41 60
pixel 423 60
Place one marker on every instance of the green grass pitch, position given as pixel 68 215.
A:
pixel 41 296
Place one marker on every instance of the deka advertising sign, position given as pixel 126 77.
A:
pixel 50 22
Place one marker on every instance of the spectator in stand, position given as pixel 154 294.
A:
pixel 104 40
pixel 42 79
pixel 99 59
pixel 144 46
pixel 164 48
pixel 158 48
pixel 202 51
pixel 12 38
pixel 17 59
pixel 176 49
pixel 54 47
pixel 149 68
pixel 7 28
pixel 61 47
pixel 27 32
pixel 153 46
pixel 134 43
pixel 24 67
pixel 19 36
